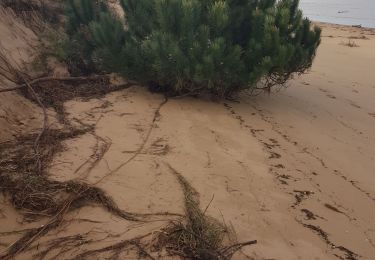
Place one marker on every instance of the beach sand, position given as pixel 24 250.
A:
pixel 293 170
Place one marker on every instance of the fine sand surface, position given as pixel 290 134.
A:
pixel 17 40
pixel 293 170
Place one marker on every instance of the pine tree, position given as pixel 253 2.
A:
pixel 80 46
pixel 221 46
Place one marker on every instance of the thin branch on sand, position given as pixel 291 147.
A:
pixel 142 146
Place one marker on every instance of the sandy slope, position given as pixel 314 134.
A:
pixel 293 170
pixel 22 117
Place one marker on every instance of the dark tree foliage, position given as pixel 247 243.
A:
pixel 80 46
pixel 220 46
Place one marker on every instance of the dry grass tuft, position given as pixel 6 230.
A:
pixel 197 236
pixel 350 43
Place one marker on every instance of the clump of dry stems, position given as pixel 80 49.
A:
pixel 350 43
pixel 197 236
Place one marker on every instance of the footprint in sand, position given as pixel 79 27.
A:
pixel 274 155
pixel 372 114
pixel 159 147
pixel 331 96
pixel 354 104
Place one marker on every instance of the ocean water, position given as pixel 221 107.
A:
pixel 347 12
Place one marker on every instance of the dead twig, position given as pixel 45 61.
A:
pixel 61 79
pixel 45 122
pixel 116 248
pixel 142 146
pixel 209 204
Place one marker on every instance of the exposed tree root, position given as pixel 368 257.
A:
pixel 70 80
pixel 101 148
pixel 116 249
pixel 64 245
pixel 34 195
pixel 142 146
pixel 24 164
pixel 54 92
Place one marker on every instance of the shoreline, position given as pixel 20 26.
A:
pixel 345 12
pixel 343 25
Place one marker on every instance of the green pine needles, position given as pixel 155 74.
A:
pixel 193 46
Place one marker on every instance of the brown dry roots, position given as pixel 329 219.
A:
pixel 28 186
pixel 33 194
pixel 53 93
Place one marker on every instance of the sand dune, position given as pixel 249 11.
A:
pixel 294 170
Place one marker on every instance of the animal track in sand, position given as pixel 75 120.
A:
pixel 271 146
pixel 331 96
pixel 309 215
pixel 159 147
pixel 354 104
pixel 274 155
pixel 324 235
pixel 354 184
pixel 209 161
pixel 355 91
pixel 139 128
pixel 229 189
pixel 335 209
pixel 219 140
pixel 274 141
pixel 284 178
pixel 301 195
pixel 126 114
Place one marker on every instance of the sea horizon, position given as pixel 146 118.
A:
pixel 345 12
